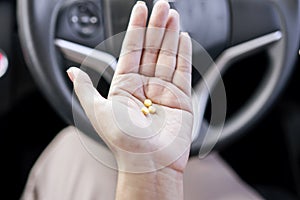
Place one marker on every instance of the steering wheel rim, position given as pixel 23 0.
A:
pixel 37 23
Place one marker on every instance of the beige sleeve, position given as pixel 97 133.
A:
pixel 66 171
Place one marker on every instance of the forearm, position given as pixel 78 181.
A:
pixel 163 184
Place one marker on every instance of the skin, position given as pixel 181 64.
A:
pixel 155 63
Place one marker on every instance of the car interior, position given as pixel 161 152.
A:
pixel 254 44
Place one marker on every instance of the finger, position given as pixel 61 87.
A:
pixel 134 39
pixel 183 73
pixel 154 36
pixel 167 56
pixel 89 98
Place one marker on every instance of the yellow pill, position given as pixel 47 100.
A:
pixel 148 103
pixel 152 110
pixel 145 111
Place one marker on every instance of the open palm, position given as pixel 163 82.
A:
pixel 155 63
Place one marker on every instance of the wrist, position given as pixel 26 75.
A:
pixel 164 184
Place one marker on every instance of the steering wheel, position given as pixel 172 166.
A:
pixel 54 31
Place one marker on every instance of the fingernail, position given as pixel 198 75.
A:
pixel 155 1
pixel 158 2
pixel 70 74
pixel 185 34
pixel 141 2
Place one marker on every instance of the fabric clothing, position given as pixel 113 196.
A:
pixel 66 171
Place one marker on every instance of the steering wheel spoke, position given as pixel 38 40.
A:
pixel 238 52
pixel 97 60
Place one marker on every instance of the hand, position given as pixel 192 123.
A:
pixel 155 63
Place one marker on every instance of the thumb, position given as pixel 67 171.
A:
pixel 92 102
